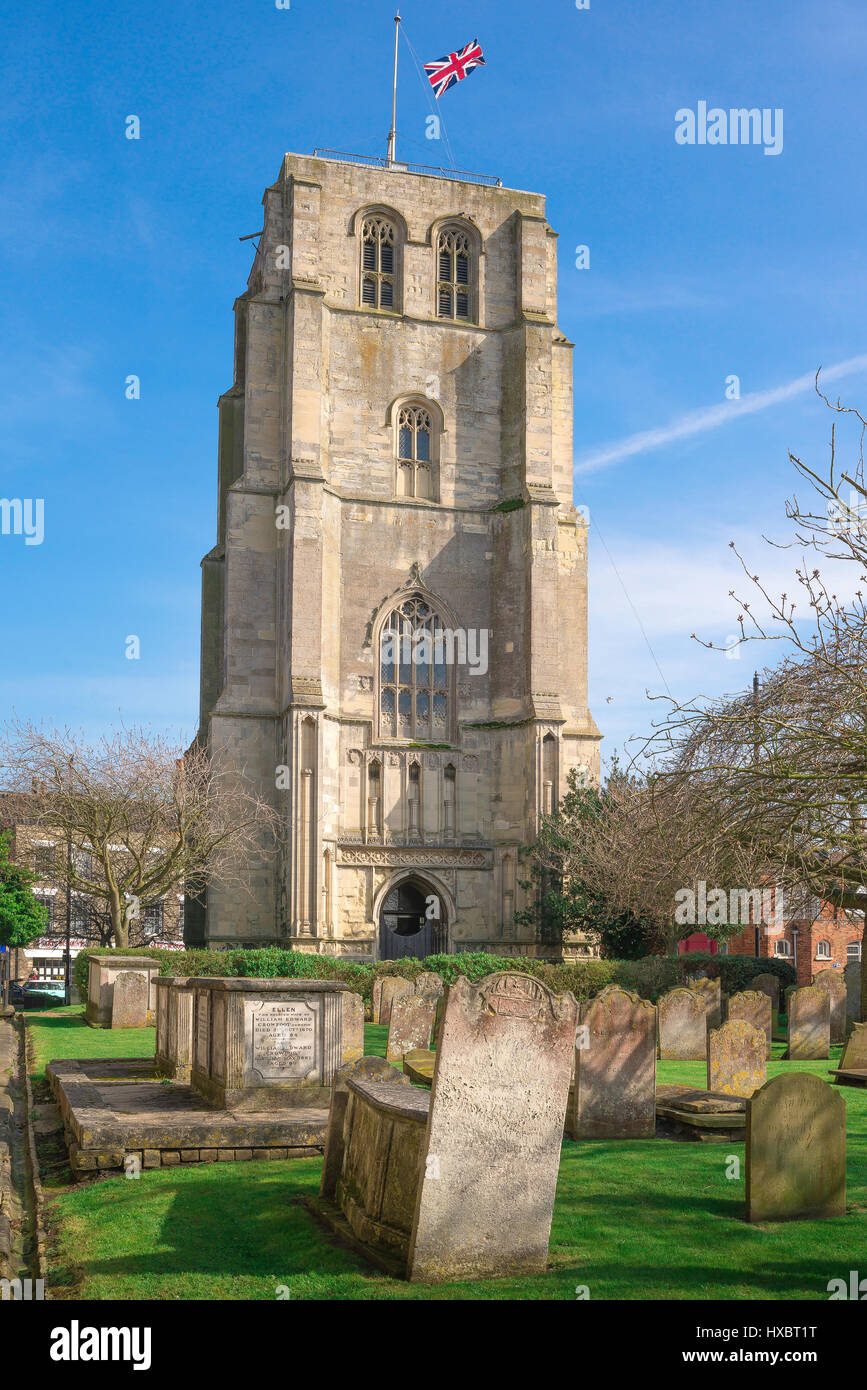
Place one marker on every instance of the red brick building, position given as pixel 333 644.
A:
pixel 831 939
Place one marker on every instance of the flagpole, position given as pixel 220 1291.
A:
pixel 392 134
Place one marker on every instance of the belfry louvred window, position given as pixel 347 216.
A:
pixel 454 275
pixel 378 263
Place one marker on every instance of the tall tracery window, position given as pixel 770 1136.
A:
pixel 414 452
pixel 454 274
pixel 378 254
pixel 414 691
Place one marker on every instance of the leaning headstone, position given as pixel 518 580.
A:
pixel 711 992
pixel 770 985
pixel 682 1026
pixel 411 1025
pixel 614 1095
pixel 390 986
pixel 855 1052
pixel 852 975
pixel 833 982
pixel 129 1005
pixel 809 1019
pixel 736 1059
pixel 753 1006
pixel 796 1150
pixel 491 1150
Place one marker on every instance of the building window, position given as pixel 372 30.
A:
pixel 414 452
pixel 823 950
pixel 378 253
pixel 782 948
pixel 455 287
pixel 415 700
pixel 853 950
pixel 48 904
pixel 79 917
pixel 43 861
pixel 152 920
pixel 82 862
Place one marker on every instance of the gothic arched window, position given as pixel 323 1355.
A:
pixel 456 274
pixel 378 263
pixel 414 441
pixel 415 674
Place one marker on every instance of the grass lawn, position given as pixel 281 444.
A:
pixel 633 1220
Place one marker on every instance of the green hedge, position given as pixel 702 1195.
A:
pixel 649 977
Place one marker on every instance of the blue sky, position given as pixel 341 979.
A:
pixel 122 257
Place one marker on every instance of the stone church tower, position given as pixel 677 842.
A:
pixel 394 617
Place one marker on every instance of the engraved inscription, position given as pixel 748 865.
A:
pixel 282 1037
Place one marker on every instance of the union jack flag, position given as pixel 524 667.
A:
pixel 445 72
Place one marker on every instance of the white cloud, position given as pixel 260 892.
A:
pixel 712 417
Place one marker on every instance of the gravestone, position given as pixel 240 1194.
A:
pixel 385 990
pixel 614 1095
pixel 736 1058
pixel 264 1044
pixel 429 982
pixel 852 975
pixel 102 972
pixel 682 1016
pixel 855 1052
pixel 753 1006
pixel 796 1150
pixel 129 1008
pixel 711 992
pixel 834 983
pixel 411 1025
pixel 770 985
pixel 492 1146
pixel 809 1020
pixel 353 1028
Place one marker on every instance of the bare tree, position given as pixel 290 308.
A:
pixel 784 766
pixel 141 816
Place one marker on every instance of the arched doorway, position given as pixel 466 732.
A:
pixel 405 929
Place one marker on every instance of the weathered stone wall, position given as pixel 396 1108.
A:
pixel 291 598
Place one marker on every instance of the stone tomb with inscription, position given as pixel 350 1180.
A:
pixel 614 1093
pixel 459 1183
pixel 265 1044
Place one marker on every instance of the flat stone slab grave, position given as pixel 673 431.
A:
pixel 687 1112
pixel 109 1115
